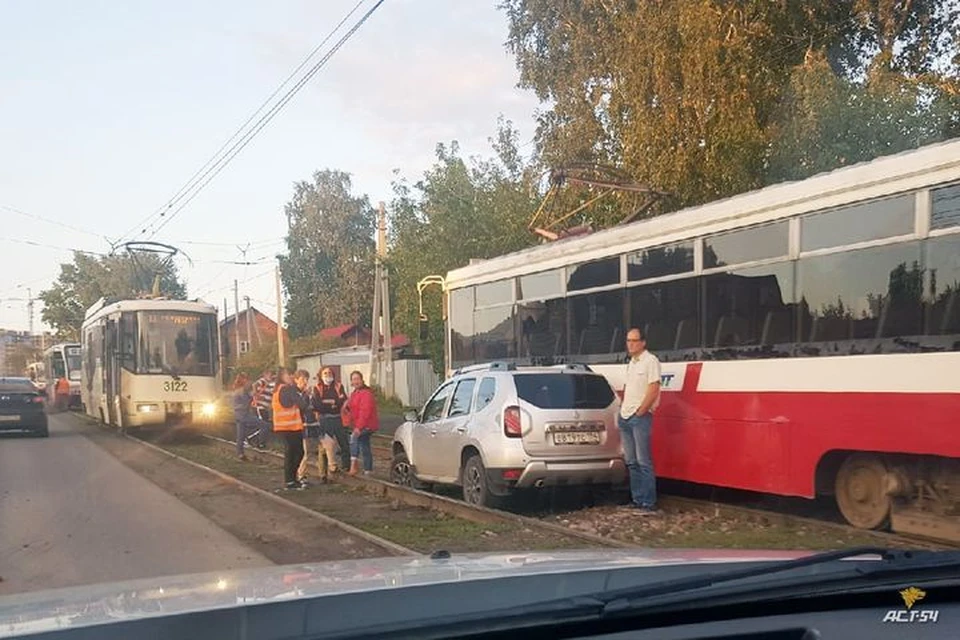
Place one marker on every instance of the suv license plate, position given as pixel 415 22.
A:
pixel 589 437
pixel 9 418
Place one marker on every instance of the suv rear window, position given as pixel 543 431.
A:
pixel 564 390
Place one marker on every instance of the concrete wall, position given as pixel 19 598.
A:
pixel 414 380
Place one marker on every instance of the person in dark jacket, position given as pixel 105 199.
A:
pixel 329 398
pixel 249 427
pixel 288 425
pixel 311 427
pixel 360 413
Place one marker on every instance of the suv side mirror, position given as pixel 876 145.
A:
pixel 411 416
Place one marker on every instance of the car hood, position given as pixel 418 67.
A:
pixel 88 605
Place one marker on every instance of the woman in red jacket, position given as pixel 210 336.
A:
pixel 360 414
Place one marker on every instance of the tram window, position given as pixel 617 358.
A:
pixel 547 284
pixel 660 261
pixel 861 222
pixel 946 207
pixel 542 328
pixel 596 322
pixel 461 325
pixel 752 306
pixel 128 341
pixel 746 245
pixel 942 287
pixel 599 273
pixel 863 294
pixel 491 293
pixel 668 312
pixel 493 335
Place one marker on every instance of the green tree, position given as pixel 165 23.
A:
pixel 328 270
pixel 88 278
pixel 461 209
pixel 690 96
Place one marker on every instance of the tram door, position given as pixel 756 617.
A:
pixel 111 372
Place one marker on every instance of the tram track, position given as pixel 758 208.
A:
pixel 383 488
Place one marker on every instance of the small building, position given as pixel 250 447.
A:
pixel 413 377
pixel 348 334
pixel 256 330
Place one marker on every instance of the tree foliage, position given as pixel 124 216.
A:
pixel 461 209
pixel 328 270
pixel 88 278
pixel 688 95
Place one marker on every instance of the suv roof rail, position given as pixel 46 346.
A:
pixel 574 366
pixel 487 366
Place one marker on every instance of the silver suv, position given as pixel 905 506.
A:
pixel 495 428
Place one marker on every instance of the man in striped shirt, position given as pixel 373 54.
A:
pixel 263 395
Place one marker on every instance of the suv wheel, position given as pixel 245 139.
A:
pixel 476 491
pixel 401 472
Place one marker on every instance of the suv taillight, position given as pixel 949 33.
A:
pixel 511 422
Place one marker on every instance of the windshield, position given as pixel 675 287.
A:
pixel 176 342
pixel 659 274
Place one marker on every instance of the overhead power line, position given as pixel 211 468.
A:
pixel 44 245
pixel 240 144
pixel 57 223
pixel 204 169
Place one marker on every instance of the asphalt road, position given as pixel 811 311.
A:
pixel 72 514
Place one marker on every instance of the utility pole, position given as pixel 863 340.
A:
pixel 280 346
pixel 249 322
pixel 224 341
pixel 30 310
pixel 236 318
pixel 381 345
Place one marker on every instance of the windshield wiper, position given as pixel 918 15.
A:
pixel 662 596
pixel 893 564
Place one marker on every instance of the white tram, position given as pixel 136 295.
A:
pixel 150 362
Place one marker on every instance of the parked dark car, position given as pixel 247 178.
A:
pixel 22 407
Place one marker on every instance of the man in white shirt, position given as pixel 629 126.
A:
pixel 641 396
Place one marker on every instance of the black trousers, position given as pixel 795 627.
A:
pixel 292 454
pixel 334 426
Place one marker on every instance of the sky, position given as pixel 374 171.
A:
pixel 108 108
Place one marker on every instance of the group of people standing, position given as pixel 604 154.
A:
pixel 309 419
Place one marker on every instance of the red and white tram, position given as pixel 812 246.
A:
pixel 809 333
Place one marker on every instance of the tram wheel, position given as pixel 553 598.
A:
pixel 861 493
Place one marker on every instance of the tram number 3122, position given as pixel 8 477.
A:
pixel 175 385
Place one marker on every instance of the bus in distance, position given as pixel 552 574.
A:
pixel 150 362
pixel 809 333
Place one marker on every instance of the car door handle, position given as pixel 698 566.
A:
pixel 433 432
pixel 461 429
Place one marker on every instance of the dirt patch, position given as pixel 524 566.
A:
pixel 703 528
pixel 417 528
pixel 599 512
pixel 282 534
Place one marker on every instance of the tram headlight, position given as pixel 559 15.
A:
pixel 148 408
pixel 208 410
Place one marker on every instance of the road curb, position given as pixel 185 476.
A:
pixel 360 533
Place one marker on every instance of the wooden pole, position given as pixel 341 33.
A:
pixel 388 384
pixel 281 351
pixel 236 320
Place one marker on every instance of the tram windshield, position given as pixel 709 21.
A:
pixel 180 343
